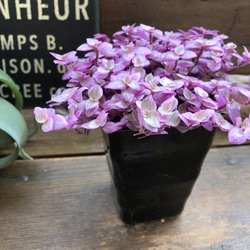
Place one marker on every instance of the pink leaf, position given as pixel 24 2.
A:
pixel 48 126
pixel 247 133
pixel 148 103
pixel 236 136
pixel 203 115
pixel 111 127
pixel 151 118
pixel 59 122
pixel 241 95
pixel 41 115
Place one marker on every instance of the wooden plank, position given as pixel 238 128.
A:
pixel 64 142
pixel 67 204
pixel 230 17
pixel 69 143
pixel 60 143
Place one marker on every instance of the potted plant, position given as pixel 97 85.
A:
pixel 13 128
pixel 159 96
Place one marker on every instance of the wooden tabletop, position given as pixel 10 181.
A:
pixel 62 200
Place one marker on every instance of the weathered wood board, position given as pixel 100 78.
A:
pixel 66 203
pixel 230 17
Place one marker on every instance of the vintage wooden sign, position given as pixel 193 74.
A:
pixel 29 30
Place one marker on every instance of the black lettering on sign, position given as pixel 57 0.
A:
pixel 30 29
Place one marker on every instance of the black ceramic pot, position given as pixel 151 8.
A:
pixel 154 176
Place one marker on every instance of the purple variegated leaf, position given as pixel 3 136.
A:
pixel 64 96
pixel 149 80
pixel 100 121
pixel 66 58
pixel 129 47
pixel 168 106
pixel 91 125
pixel 143 50
pixel 84 47
pixel 111 127
pixel 95 93
pixel 185 63
pixel 59 122
pixel 102 118
pixel 118 67
pixel 186 118
pixel 209 103
pixel 171 56
pixel 201 92
pixel 241 95
pixel 128 55
pixel 109 52
pixel 238 122
pixel 48 125
pixel 150 129
pixel 115 84
pixel 217 49
pixel 173 85
pixel 172 119
pixel 71 119
pixel 178 84
pixel 189 54
pixel 207 125
pixel 139 70
pixel 233 112
pixel 93 42
pixel 122 105
pixel 188 94
pixel 179 50
pixel 210 64
pixel 101 72
pixel 134 85
pixel 166 81
pixel 245 123
pixel 236 136
pixel 128 95
pixel 108 64
pixel 91 107
pixel 135 77
pixel 203 115
pixel 220 100
pixel 223 124
pixel 135 117
pixel 148 103
pixel 78 94
pixel 140 61
pixel 41 114
pixel 247 133
pixel 151 118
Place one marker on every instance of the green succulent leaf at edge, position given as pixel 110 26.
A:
pixel 13 128
pixel 12 124
pixel 5 78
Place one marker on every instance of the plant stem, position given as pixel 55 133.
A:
pixel 197 60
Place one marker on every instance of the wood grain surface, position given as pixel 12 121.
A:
pixel 68 143
pixel 59 143
pixel 63 200
pixel 66 203
pixel 230 17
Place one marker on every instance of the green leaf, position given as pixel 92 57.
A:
pixel 12 126
pixel 5 138
pixel 5 78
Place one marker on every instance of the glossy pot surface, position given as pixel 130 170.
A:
pixel 154 176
